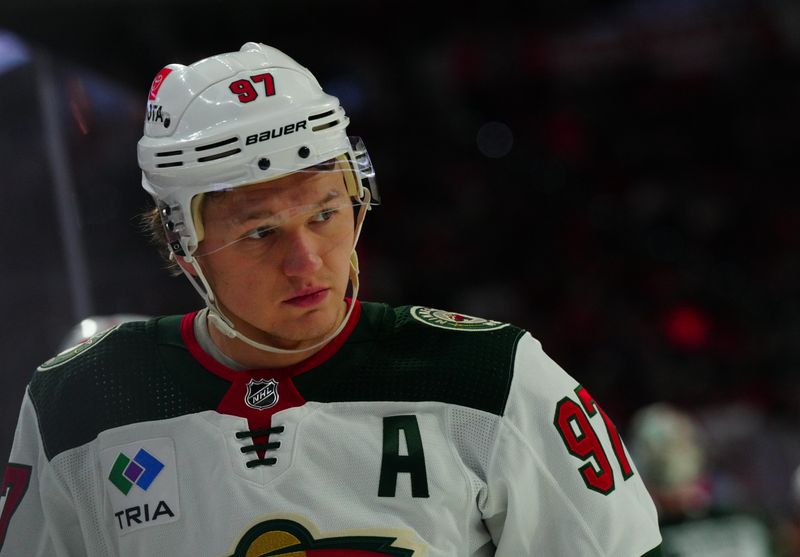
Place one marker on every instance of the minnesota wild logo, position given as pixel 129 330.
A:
pixel 454 321
pixel 70 353
pixel 289 539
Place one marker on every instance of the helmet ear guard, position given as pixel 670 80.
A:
pixel 364 170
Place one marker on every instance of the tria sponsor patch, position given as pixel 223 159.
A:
pixel 142 483
pixel 141 471
pixel 454 321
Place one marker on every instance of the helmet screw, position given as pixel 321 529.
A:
pixel 166 211
pixel 170 225
pixel 263 163
pixel 304 152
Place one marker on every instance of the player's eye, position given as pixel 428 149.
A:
pixel 324 215
pixel 260 232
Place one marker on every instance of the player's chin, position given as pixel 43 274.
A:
pixel 316 322
pixel 296 339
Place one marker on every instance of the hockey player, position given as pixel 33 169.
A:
pixel 288 417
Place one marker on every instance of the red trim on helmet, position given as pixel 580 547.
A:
pixel 158 80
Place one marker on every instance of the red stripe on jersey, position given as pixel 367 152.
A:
pixel 234 401
pixel 317 359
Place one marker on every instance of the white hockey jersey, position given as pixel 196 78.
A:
pixel 414 432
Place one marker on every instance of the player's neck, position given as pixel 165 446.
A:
pixel 250 357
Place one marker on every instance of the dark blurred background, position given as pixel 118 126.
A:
pixel 619 177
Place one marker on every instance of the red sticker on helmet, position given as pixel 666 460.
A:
pixel 15 484
pixel 157 81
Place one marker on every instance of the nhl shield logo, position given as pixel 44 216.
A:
pixel 261 394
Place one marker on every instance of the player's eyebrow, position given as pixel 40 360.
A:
pixel 262 214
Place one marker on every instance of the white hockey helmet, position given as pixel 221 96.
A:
pixel 235 119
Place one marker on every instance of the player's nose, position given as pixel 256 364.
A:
pixel 301 257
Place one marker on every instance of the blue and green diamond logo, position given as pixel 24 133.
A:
pixel 141 471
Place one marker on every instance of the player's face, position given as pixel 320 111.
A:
pixel 277 256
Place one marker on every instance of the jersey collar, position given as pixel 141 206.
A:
pixel 210 363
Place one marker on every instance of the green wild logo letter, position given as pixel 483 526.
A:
pixel 288 538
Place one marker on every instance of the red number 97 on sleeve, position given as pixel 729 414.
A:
pixel 573 424
pixel 15 484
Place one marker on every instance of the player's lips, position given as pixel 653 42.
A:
pixel 308 297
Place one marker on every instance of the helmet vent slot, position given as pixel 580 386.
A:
pixel 324 126
pixel 318 116
pixel 218 144
pixel 169 153
pixel 219 155
pixel 169 164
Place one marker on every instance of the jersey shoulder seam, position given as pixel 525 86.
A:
pixel 512 368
